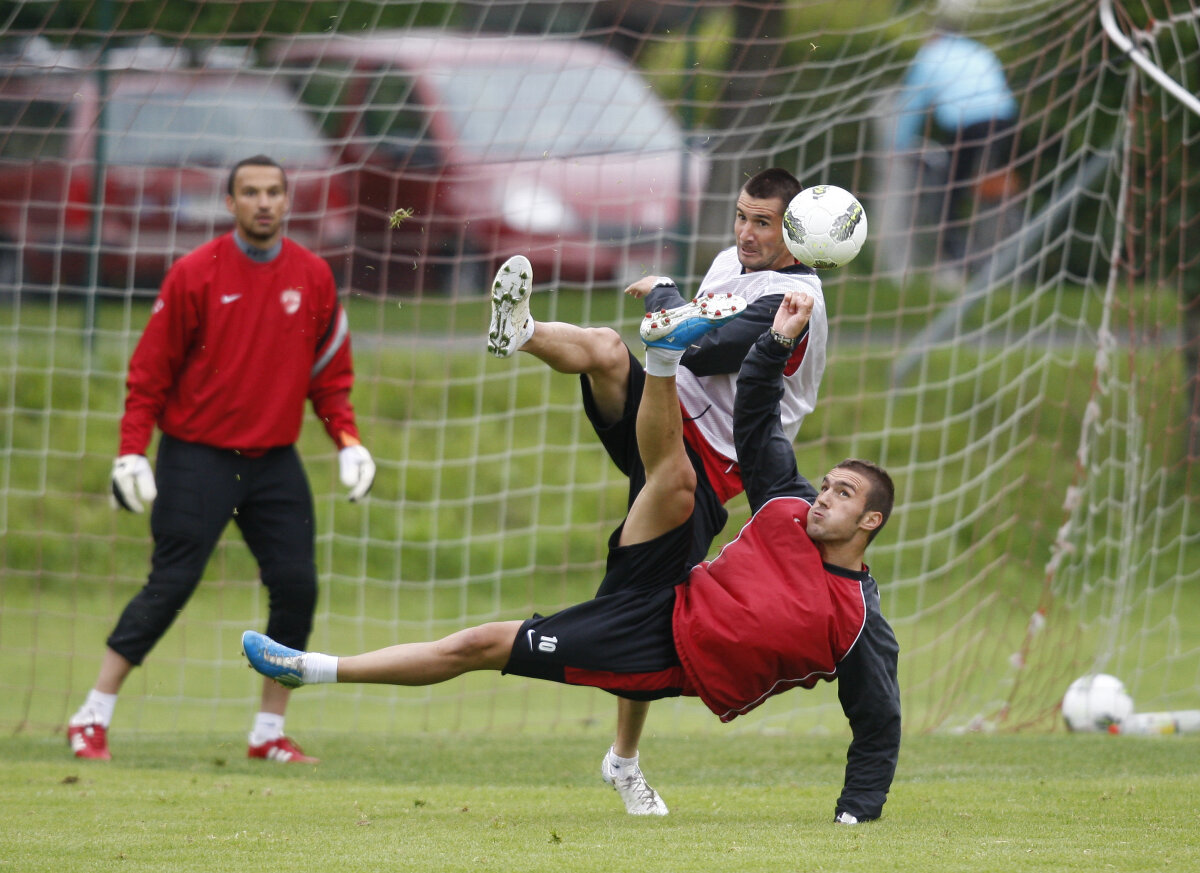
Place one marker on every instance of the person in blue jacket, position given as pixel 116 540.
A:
pixel 956 93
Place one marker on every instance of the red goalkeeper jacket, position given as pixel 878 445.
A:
pixel 234 346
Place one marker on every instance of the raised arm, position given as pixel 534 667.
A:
pixel 765 454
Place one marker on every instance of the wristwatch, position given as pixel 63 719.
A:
pixel 788 342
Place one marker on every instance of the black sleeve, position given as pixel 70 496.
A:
pixel 723 350
pixel 764 453
pixel 870 696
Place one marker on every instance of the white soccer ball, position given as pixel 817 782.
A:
pixel 1096 702
pixel 824 226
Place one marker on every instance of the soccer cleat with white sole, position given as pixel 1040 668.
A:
pixel 89 740
pixel 282 750
pixel 284 665
pixel 639 797
pixel 681 326
pixel 511 324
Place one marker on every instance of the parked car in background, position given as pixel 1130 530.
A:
pixel 468 149
pixel 166 145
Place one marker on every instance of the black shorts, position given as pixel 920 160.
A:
pixel 200 488
pixel 620 441
pixel 622 641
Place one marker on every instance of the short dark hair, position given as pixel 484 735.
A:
pixel 882 495
pixel 255 161
pixel 775 183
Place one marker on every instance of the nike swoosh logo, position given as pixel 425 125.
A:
pixel 229 298
pixel 529 634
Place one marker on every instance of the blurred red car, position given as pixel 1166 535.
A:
pixel 170 140
pixel 468 149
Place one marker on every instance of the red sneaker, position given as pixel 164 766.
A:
pixel 89 741
pixel 284 750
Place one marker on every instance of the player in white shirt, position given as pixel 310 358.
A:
pixel 758 268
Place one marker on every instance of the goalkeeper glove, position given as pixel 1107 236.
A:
pixel 132 482
pixel 358 471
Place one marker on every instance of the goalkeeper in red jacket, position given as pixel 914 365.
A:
pixel 788 603
pixel 245 329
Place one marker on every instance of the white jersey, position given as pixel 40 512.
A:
pixel 716 393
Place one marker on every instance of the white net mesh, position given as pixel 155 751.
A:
pixel 1024 364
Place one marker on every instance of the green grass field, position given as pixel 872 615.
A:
pixel 449 803
pixel 491 775
pixel 459 529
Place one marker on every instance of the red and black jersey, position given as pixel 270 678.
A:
pixel 766 614
pixel 866 672
pixel 234 346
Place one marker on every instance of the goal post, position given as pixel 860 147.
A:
pixel 1037 401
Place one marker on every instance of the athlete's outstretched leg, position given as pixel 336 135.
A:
pixel 598 353
pixel 485 647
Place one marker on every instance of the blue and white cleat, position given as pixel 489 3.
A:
pixel 511 324
pixel 678 328
pixel 284 665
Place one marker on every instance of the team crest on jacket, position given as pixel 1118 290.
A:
pixel 290 300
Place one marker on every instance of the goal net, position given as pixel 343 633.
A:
pixel 1020 348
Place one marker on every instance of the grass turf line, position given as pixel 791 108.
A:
pixel 738 803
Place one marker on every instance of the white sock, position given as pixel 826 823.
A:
pixel 663 362
pixel 620 763
pixel 97 709
pixel 526 331
pixel 267 726
pixel 319 668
